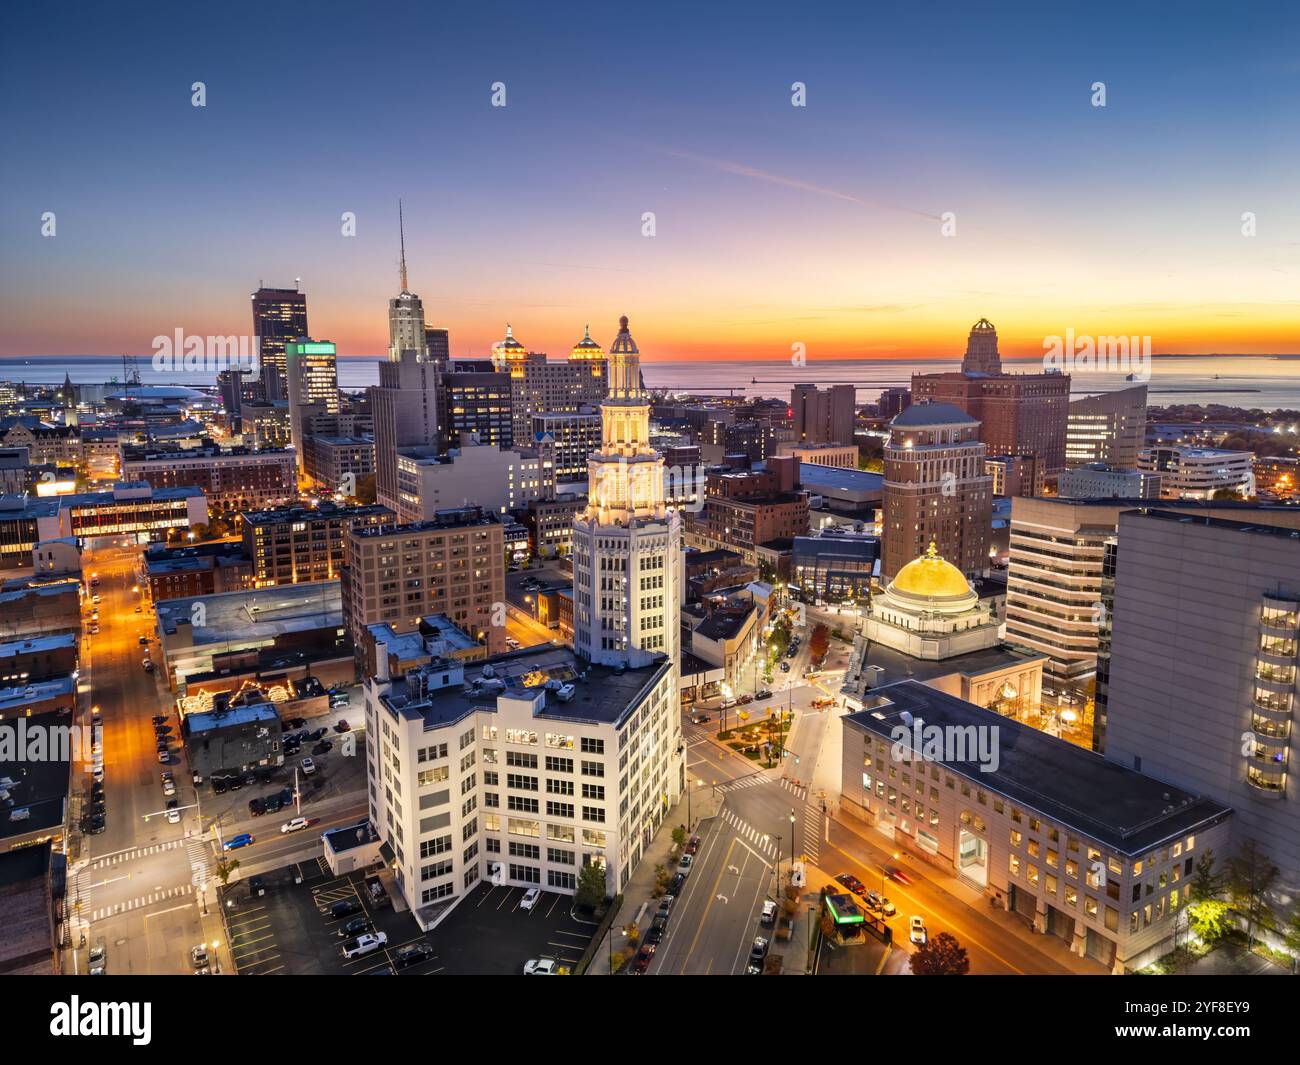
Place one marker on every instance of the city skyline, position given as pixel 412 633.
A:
pixel 775 225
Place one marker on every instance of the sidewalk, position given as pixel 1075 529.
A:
pixel 639 898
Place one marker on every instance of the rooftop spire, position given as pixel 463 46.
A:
pixel 401 231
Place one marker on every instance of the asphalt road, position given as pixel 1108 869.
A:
pixel 134 886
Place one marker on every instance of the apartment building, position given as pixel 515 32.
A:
pixel 1081 848
pixel 292 545
pixel 523 769
pixel 453 564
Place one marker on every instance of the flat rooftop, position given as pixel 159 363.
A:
pixel 899 666
pixel 37 645
pixel 606 697
pixel 240 714
pixel 1118 807
pixel 19 696
pixel 39 785
pixel 254 614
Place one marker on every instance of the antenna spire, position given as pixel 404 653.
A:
pixel 401 230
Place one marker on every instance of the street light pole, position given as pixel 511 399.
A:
pixel 791 840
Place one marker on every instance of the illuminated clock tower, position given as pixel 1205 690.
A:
pixel 627 543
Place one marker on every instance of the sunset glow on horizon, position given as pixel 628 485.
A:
pixel 774 225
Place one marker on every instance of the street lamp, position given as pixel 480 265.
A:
pixel 609 942
pixel 791 840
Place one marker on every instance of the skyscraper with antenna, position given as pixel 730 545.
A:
pixel 405 310
pixel 405 404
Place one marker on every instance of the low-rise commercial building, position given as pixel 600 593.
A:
pixel 1199 472
pixel 232 478
pixel 1099 481
pixel 1081 848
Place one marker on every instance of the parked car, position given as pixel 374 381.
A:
pixel 656 931
pixel 286 796
pixel 159 719
pixel 676 884
pixel 144 641
pixel 314 736
pixel 97 773
pixel 540 967
pixel 763 693
pixel 295 722
pixel 218 787
pixel 665 907
pixel 308 766
pixel 412 954
pixel 354 927
pixel 684 866
pixel 94 630
pixel 96 824
pixel 199 956
pixel 643 958
pixel 757 952
pixel 785 667
pixel 768 918
pixel 342 726
pixel 173 817
pixel 169 788
pixel 693 845
pixel 241 840
pixel 916 930
pixel 256 807
pixel 851 883
pixel 365 944
pixel 164 757
pixel 345 908
pixel 530 899
pixel 271 803
pixel 148 665
pixel 324 747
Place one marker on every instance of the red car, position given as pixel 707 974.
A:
pixel 642 962
pixel 900 876
pixel 692 844
pixel 342 726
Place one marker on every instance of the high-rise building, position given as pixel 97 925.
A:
pixel 1019 414
pixel 982 354
pixel 893 401
pixel 279 316
pixel 539 386
pixel 1056 584
pixel 312 374
pixel 438 342
pixel 476 399
pixel 1109 428
pixel 406 402
pixel 936 490
pixel 823 417
pixel 627 543
pixel 1203 668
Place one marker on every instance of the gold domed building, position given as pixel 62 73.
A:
pixel 930 611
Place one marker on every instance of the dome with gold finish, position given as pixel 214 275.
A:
pixel 586 348
pixel 932 583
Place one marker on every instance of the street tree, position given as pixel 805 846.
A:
pixel 941 956
pixel 1251 876
pixel 591 887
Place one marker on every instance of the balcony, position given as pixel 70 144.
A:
pixel 1267 781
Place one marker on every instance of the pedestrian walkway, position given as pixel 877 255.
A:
pixel 110 860
pixel 140 901
pixel 761 840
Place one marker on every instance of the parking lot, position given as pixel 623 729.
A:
pixel 290 929
pixel 489 934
